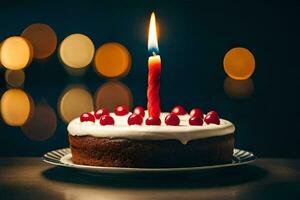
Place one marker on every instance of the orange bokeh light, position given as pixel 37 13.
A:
pixel 16 107
pixel 112 60
pixel 238 89
pixel 111 94
pixel 42 125
pixel 43 39
pixel 16 53
pixel 15 78
pixel 239 63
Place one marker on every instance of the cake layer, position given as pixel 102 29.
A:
pixel 107 152
pixel 121 130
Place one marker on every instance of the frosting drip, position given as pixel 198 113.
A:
pixel 184 132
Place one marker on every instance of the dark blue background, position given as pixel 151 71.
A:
pixel 194 36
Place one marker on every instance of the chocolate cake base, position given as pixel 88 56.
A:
pixel 88 150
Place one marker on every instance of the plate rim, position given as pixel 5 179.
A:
pixel 58 162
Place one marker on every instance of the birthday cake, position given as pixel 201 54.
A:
pixel 125 139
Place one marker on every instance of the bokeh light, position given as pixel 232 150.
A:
pixel 1 65
pixel 238 89
pixel 42 125
pixel 15 78
pixel 43 39
pixel 239 63
pixel 112 60
pixel 74 101
pixel 16 53
pixel 75 71
pixel 76 51
pixel 111 94
pixel 16 107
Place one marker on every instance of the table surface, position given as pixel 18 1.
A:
pixel 30 178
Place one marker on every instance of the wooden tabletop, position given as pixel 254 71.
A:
pixel 30 178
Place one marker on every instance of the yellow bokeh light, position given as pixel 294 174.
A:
pixel 76 51
pixel 16 107
pixel 42 125
pixel 43 39
pixel 112 60
pixel 239 63
pixel 111 94
pixel 238 89
pixel 15 78
pixel 74 101
pixel 16 53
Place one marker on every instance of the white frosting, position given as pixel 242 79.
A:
pixel 184 132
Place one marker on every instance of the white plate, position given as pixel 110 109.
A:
pixel 62 157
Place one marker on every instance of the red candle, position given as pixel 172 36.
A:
pixel 154 67
pixel 153 86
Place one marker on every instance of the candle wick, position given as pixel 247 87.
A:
pixel 154 54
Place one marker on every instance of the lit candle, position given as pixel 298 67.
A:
pixel 154 66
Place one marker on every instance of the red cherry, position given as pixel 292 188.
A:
pixel 212 117
pixel 153 121
pixel 135 119
pixel 178 110
pixel 196 121
pixel 121 110
pixel 87 117
pixel 172 120
pixel 100 112
pixel 197 112
pixel 139 110
pixel 106 120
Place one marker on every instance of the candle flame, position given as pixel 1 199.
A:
pixel 152 36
